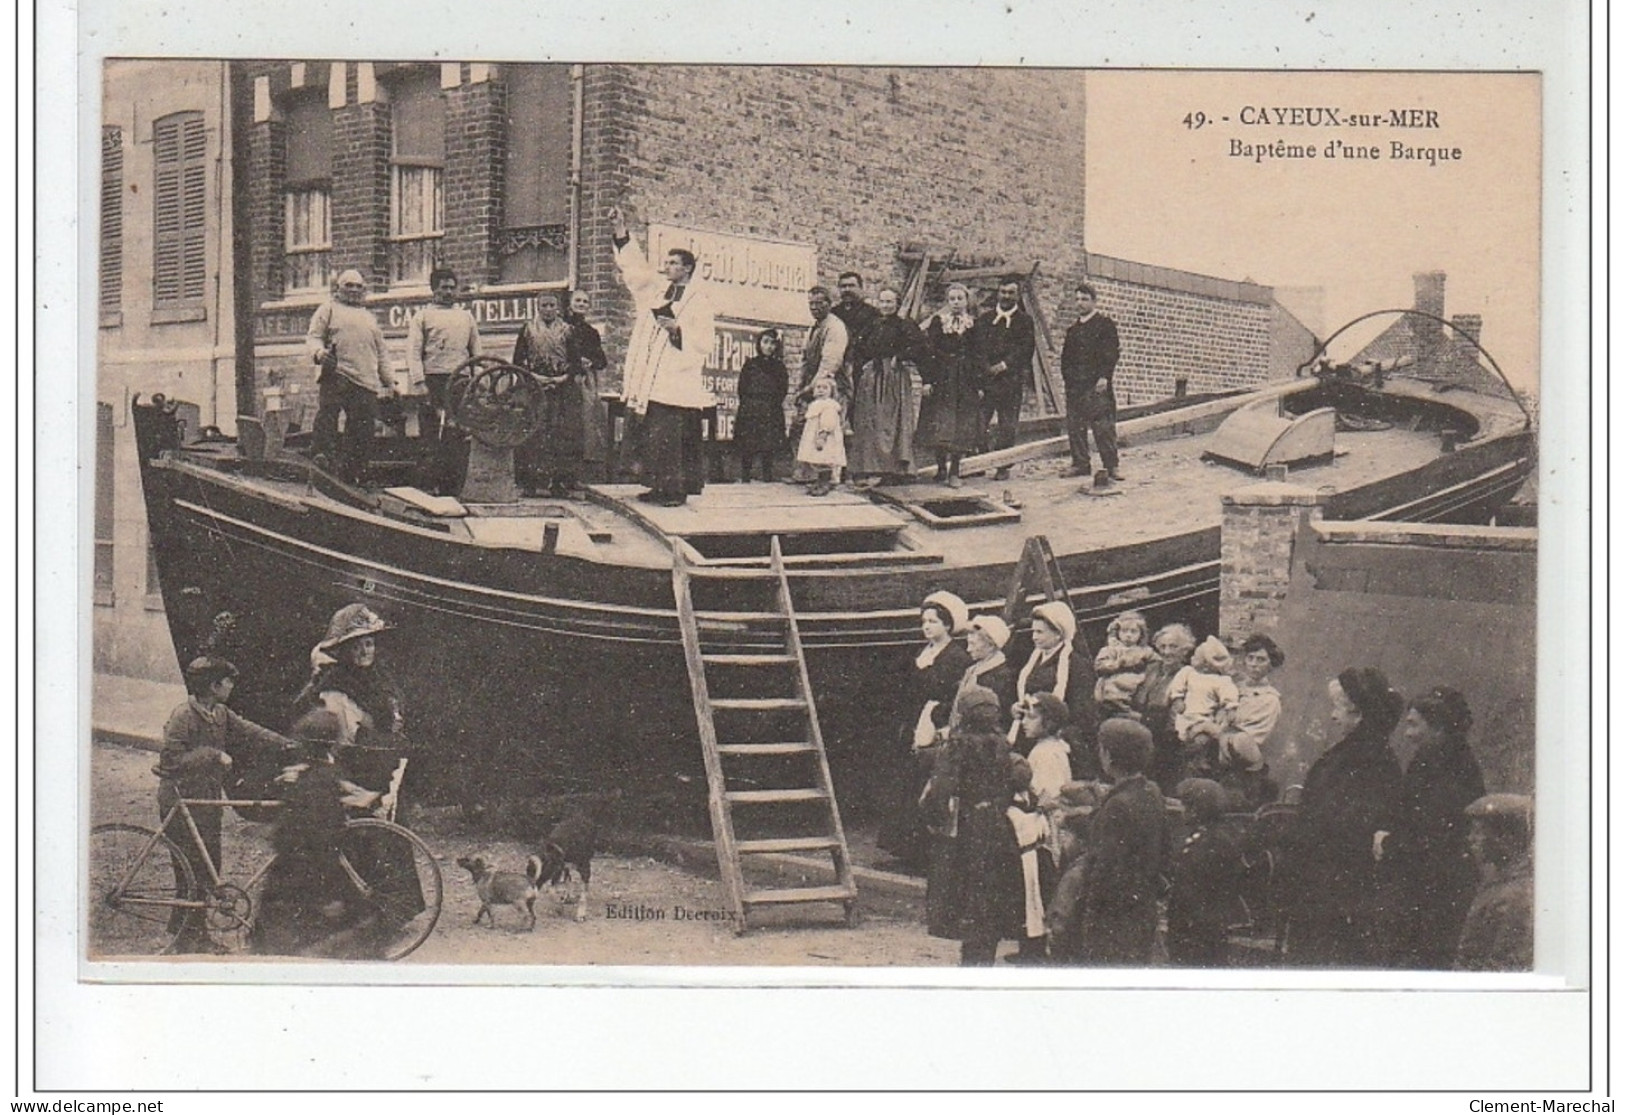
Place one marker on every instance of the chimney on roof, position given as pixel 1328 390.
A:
pixel 1429 335
pixel 1429 292
pixel 1470 324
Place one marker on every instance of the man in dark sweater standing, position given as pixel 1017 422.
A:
pixel 1088 361
pixel 1007 339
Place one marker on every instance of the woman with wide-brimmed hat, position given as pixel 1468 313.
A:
pixel 1335 902
pixel 348 682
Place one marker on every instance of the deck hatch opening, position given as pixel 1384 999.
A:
pixel 945 511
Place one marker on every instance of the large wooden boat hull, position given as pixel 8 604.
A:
pixel 525 670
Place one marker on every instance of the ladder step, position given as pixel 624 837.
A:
pixel 764 748
pixel 766 797
pixel 749 659
pixel 732 573
pixel 788 844
pixel 799 894
pixel 758 704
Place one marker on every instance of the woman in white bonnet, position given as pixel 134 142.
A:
pixel 1060 664
pixel 938 668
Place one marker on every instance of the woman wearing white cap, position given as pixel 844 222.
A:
pixel 1060 666
pixel 938 668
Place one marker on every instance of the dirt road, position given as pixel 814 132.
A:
pixel 641 911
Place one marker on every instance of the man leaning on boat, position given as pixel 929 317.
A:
pixel 664 381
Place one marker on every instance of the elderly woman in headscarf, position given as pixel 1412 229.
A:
pixel 1426 854
pixel 1174 645
pixel 938 668
pixel 1335 903
pixel 985 640
pixel 951 410
pixel 347 681
pixel 1061 665
pixel 882 448
pixel 974 892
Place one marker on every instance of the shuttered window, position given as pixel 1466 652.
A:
pixel 112 225
pixel 179 193
pixel 535 245
pixel 417 206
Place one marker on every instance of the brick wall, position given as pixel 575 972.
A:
pixel 1213 333
pixel 360 218
pixel 1255 555
pixel 476 136
pixel 858 161
pixel 267 163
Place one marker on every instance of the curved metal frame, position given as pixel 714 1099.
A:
pixel 1528 419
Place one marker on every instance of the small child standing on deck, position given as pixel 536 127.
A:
pixel 823 445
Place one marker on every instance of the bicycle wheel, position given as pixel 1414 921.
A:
pixel 400 881
pixel 138 880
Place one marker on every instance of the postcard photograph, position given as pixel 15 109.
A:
pixel 794 516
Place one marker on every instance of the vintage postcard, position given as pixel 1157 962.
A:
pixel 1077 522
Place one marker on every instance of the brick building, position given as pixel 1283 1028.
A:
pixel 777 177
pixel 286 172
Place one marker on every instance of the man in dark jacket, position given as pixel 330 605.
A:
pixel 1088 362
pixel 855 313
pixel 1007 340
pixel 1105 908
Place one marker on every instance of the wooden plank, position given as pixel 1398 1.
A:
pixel 749 659
pixel 800 894
pixel 787 844
pixel 765 748
pixel 759 704
pixel 774 797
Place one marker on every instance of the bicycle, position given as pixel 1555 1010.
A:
pixel 135 896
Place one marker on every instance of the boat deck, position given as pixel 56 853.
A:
pixel 1168 490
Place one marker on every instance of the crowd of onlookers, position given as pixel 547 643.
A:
pixel 1118 808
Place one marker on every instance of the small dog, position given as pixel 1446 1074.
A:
pixel 504 888
pixel 570 843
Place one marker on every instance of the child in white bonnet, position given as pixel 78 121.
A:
pixel 1203 695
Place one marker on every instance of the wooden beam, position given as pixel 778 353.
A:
pixel 1050 446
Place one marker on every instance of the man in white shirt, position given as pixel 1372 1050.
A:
pixel 344 340
pixel 439 339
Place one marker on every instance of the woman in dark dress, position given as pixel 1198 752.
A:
pixel 759 425
pixel 1426 854
pixel 951 409
pixel 348 682
pixel 1061 665
pixel 1335 903
pixel 938 668
pixel 882 444
pixel 974 893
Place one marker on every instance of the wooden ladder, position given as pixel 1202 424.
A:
pixel 1037 569
pixel 757 727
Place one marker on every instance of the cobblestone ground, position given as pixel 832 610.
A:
pixel 123 787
